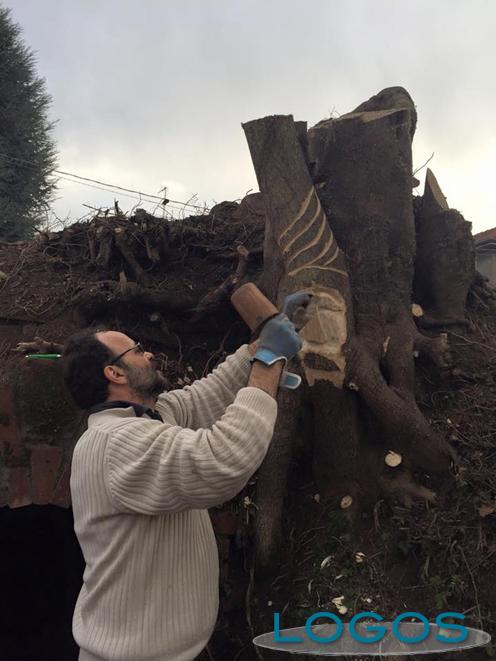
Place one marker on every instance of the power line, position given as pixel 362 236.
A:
pixel 95 181
pixel 134 197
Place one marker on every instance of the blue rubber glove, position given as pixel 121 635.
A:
pixel 279 340
pixel 294 301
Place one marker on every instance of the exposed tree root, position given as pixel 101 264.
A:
pixel 397 412
pixel 127 252
pixel 436 348
pixel 402 486
pixel 272 481
pixel 223 291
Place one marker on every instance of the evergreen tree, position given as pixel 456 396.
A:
pixel 27 149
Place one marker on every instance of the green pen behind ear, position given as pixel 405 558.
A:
pixel 44 356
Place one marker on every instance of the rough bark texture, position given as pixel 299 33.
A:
pixel 300 252
pixel 445 263
pixel 363 161
pixel 347 234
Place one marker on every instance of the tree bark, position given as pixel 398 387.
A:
pixel 300 252
pixel 363 160
pixel 445 261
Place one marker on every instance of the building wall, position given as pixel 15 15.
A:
pixel 486 264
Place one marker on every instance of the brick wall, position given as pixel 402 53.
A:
pixel 39 426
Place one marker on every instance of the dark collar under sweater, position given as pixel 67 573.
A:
pixel 139 409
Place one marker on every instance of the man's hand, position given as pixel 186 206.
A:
pixel 292 302
pixel 279 340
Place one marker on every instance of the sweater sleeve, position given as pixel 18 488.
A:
pixel 153 468
pixel 202 403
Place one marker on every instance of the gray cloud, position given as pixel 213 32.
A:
pixel 153 93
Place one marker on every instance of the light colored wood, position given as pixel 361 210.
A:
pixel 253 307
pixel 346 501
pixel 393 459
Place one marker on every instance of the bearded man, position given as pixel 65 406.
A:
pixel 144 474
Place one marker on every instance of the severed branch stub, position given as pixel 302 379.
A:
pixel 38 345
pixel 224 290
pixel 128 255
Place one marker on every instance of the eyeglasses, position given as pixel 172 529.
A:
pixel 137 347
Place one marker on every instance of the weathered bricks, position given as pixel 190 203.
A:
pixel 10 441
pixel 45 465
pixel 19 487
pixel 62 494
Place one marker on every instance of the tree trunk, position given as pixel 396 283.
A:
pixel 359 330
pixel 300 252
pixel 445 263
pixel 363 161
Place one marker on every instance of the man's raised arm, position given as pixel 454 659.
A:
pixel 203 402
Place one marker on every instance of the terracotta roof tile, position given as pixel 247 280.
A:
pixel 486 235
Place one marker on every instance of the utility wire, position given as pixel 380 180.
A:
pixel 134 197
pixel 102 183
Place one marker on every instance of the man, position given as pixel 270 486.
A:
pixel 142 481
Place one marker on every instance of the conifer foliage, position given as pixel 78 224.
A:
pixel 27 148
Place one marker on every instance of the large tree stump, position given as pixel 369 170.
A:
pixel 300 252
pixel 363 161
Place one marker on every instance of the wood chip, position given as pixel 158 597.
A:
pixel 393 459
pixel 417 310
pixel 346 501
pixel 338 602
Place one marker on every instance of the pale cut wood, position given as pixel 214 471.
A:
pixel 300 250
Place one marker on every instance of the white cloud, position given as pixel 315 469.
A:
pixel 154 93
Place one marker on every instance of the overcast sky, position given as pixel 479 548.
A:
pixel 152 93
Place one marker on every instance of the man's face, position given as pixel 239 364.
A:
pixel 138 366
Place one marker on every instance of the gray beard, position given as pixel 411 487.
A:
pixel 146 382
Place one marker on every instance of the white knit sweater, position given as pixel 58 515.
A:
pixel 140 492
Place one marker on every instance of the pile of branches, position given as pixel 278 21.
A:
pixel 139 259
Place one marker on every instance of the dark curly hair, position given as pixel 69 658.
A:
pixel 84 358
